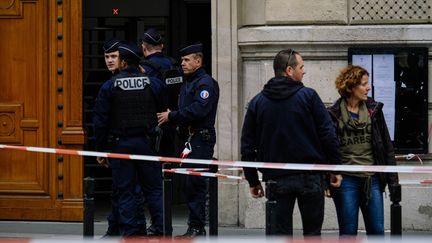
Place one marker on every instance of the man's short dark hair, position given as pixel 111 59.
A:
pixel 284 59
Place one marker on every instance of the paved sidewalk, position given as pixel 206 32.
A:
pixel 74 231
pixel 66 230
pixel 60 230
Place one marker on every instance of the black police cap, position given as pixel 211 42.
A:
pixel 152 37
pixel 130 50
pixel 111 45
pixel 194 48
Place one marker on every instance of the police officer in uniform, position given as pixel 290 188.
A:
pixel 111 56
pixel 167 69
pixel 156 64
pixel 125 117
pixel 195 117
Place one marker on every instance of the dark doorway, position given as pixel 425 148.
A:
pixel 193 18
pixel 180 22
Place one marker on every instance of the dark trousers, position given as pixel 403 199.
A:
pixel 195 187
pixel 307 189
pixel 167 148
pixel 127 175
pixel 169 141
pixel 113 217
pixel 153 193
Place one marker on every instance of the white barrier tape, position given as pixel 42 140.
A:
pixel 205 169
pixel 267 165
pixel 189 169
pixel 229 169
pixel 206 174
pixel 415 182
pixel 409 157
pixel 234 239
pixel 223 176
pixel 405 156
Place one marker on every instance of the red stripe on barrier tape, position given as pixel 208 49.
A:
pixel 14 240
pixel 426 182
pixel 169 159
pixel 67 151
pixel 16 147
pixel 250 164
pixel 118 156
pixel 191 171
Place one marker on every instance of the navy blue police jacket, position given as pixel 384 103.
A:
pixel 198 100
pixel 287 123
pixel 160 59
pixel 170 92
pixel 102 109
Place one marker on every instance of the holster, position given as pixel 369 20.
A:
pixel 205 134
pixel 182 132
pixel 156 138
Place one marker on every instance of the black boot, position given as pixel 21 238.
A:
pixel 193 231
pixel 111 233
pixel 152 231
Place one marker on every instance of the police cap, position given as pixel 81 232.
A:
pixel 152 37
pixel 194 48
pixel 130 51
pixel 111 45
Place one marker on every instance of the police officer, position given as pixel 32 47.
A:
pixel 125 116
pixel 195 117
pixel 168 70
pixel 157 64
pixel 111 56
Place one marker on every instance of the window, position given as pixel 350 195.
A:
pixel 399 79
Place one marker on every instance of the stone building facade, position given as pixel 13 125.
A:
pixel 246 34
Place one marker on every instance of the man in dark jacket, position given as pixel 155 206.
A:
pixel 125 117
pixel 111 55
pixel 195 117
pixel 158 65
pixel 288 123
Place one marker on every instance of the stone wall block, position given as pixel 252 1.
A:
pixel 306 12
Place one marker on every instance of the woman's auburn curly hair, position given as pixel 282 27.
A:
pixel 348 78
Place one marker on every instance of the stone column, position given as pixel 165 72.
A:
pixel 225 71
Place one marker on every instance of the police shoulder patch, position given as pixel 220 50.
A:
pixel 204 94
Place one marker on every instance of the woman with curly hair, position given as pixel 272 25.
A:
pixel 364 140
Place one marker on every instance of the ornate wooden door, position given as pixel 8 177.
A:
pixel 41 105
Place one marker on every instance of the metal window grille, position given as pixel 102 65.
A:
pixel 399 11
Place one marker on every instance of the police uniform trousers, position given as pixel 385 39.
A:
pixel 308 190
pixel 127 174
pixel 113 217
pixel 195 187
pixel 169 141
